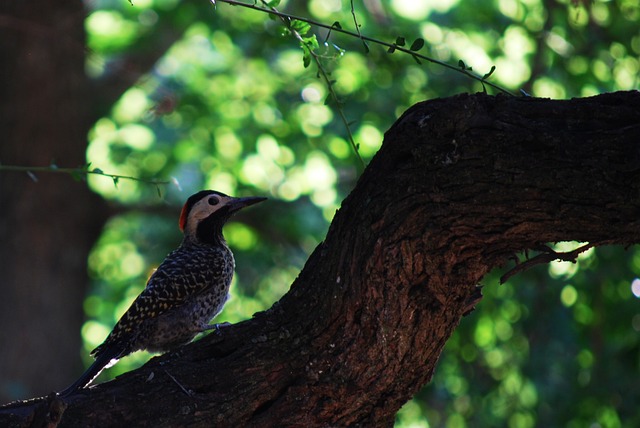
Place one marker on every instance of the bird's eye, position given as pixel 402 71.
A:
pixel 214 201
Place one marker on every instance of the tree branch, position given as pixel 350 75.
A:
pixel 547 255
pixel 459 186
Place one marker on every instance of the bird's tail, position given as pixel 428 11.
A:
pixel 102 361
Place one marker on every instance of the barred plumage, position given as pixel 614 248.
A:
pixel 184 294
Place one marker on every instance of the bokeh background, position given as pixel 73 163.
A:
pixel 219 97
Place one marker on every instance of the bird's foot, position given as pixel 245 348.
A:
pixel 216 327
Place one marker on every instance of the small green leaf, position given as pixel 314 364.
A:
pixel 336 25
pixel 97 171
pixel 400 41
pixel 311 42
pixel 300 26
pixel 273 3
pixel 462 65
pixel 391 49
pixel 417 45
pixel 417 59
pixel 115 181
pixel 306 59
pixel 493 68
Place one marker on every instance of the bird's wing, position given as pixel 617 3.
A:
pixel 177 279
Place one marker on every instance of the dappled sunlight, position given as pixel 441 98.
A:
pixel 413 10
pixel 312 118
pixel 313 93
pixel 420 11
pixel 544 87
pixel 240 236
pixel 370 139
pixel 231 106
pixel 110 29
pixel 635 287
pixel 352 73
pixel 132 106
pixel 239 308
pixel 568 295
pixel 93 334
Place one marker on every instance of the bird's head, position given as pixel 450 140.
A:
pixel 205 212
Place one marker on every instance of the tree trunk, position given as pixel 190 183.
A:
pixel 46 227
pixel 458 188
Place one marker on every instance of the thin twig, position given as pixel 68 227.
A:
pixel 78 171
pixel 189 394
pixel 547 256
pixel 395 47
pixel 355 23
pixel 325 76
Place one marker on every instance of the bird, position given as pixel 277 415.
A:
pixel 187 290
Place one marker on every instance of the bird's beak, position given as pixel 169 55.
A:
pixel 239 203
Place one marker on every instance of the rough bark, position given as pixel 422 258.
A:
pixel 459 186
pixel 46 227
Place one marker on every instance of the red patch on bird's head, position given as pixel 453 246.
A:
pixel 182 223
pixel 186 209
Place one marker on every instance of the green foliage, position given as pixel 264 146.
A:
pixel 285 108
pixel 552 347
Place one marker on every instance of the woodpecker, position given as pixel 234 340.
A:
pixel 184 294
